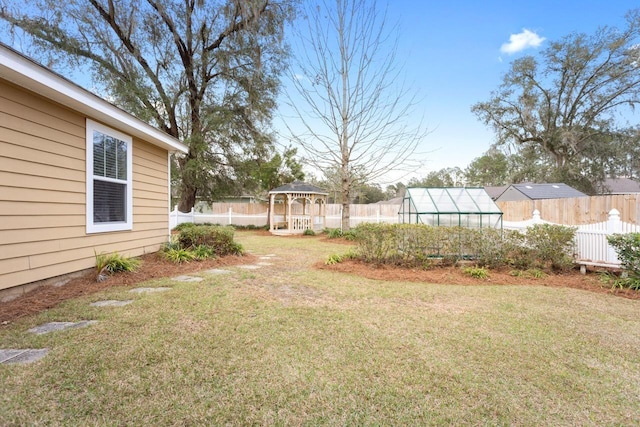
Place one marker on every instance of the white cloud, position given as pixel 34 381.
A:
pixel 521 41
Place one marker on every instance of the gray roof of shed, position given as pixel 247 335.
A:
pixel 298 187
pixel 621 186
pixel 494 191
pixel 548 191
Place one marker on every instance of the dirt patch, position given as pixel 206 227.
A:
pixel 455 276
pixel 152 267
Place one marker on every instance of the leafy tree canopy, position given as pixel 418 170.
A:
pixel 204 71
pixel 567 105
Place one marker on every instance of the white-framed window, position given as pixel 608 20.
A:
pixel 109 182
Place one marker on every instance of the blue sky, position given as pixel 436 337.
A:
pixel 453 59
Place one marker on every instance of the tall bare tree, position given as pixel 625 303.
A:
pixel 352 112
pixel 204 71
pixel 568 103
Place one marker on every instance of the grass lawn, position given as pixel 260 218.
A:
pixel 287 344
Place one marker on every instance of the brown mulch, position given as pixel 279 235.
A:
pixel 152 267
pixel 455 276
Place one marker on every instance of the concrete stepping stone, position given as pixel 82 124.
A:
pixel 264 263
pixel 217 271
pixel 187 279
pixel 145 290
pixel 111 303
pixel 266 257
pixel 249 267
pixel 59 326
pixel 26 355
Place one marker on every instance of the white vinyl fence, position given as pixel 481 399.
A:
pixel 591 244
pixel 253 214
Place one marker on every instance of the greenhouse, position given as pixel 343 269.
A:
pixel 464 207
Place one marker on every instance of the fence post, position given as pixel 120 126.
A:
pixel 536 217
pixel 378 215
pixel 193 215
pixel 230 215
pixel 614 225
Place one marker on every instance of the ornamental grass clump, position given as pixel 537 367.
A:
pixel 114 263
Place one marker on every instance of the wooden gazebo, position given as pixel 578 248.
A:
pixel 296 207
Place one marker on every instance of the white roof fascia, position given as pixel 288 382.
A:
pixel 30 75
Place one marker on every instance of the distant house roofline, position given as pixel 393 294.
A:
pixel 27 73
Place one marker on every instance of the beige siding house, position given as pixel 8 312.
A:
pixel 78 176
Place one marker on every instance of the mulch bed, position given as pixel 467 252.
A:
pixel 455 276
pixel 152 267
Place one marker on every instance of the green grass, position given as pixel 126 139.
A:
pixel 290 345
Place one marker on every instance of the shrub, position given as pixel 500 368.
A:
pixel 218 238
pixel 476 272
pixel 113 263
pixel 183 226
pixel 333 233
pixel 203 252
pixel 309 232
pixel 627 247
pixel 333 259
pixel 553 245
pixel 350 235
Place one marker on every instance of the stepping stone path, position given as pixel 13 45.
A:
pixel 111 303
pixel 26 355
pixel 59 326
pixel 249 267
pixel 145 290
pixel 29 355
pixel 217 271
pixel 187 279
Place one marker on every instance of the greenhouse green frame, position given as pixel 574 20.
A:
pixel 469 207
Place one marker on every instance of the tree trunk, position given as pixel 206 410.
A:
pixel 346 215
pixel 187 197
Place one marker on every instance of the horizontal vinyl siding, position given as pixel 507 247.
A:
pixel 42 193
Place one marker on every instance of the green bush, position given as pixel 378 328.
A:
pixel 218 238
pixel 308 232
pixel 333 259
pixel 203 252
pixel 178 255
pixel 350 235
pixel 113 263
pixel 333 233
pixel 552 245
pixel 476 272
pixel 413 244
pixel 183 226
pixel 627 247
pixel 542 246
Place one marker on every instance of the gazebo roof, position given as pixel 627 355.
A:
pixel 299 187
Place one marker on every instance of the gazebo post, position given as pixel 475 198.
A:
pixel 288 218
pixel 271 207
pixel 311 211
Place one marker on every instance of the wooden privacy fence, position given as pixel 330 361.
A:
pixel 575 210
pixel 255 214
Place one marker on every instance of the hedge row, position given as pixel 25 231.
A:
pixel 542 246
